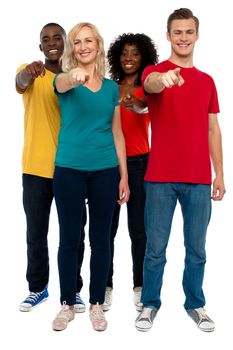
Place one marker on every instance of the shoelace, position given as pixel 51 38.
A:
pixel 145 313
pixel 64 313
pixel 97 313
pixel 78 299
pixel 201 313
pixel 33 297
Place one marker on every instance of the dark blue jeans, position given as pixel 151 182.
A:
pixel 135 211
pixel 37 200
pixel 71 188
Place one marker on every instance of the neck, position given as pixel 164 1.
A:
pixel 53 66
pixel 182 61
pixel 130 80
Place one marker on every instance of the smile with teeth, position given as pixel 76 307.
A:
pixel 53 51
pixel 84 54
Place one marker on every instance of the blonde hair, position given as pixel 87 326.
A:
pixel 69 61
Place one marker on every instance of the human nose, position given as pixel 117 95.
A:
pixel 183 37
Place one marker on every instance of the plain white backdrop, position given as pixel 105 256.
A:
pixel 20 24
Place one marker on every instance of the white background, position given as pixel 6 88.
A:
pixel 20 24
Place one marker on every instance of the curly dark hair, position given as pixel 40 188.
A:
pixel 143 43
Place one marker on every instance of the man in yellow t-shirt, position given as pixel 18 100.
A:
pixel 41 127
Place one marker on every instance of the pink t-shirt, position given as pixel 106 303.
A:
pixel 179 122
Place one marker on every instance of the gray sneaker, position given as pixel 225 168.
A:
pixel 145 319
pixel 202 321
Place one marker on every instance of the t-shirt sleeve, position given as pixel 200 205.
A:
pixel 146 72
pixel 214 104
pixel 54 83
pixel 116 94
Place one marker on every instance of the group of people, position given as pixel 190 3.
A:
pixel 86 143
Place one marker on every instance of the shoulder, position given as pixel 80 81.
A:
pixel 110 82
pixel 110 85
pixel 203 75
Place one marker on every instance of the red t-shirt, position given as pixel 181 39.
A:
pixel 179 123
pixel 135 128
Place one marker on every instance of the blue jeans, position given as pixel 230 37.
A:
pixel 37 200
pixel 161 200
pixel 136 166
pixel 71 188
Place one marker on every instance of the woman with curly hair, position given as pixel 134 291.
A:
pixel 128 55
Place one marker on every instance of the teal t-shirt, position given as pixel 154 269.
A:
pixel 85 140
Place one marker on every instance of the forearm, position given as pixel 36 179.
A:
pixel 216 154
pixel 121 153
pixel 153 84
pixel 140 106
pixel 63 82
pixel 23 79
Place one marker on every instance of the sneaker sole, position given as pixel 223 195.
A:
pixel 27 309
pixel 79 310
pixel 143 329
pixel 106 308
pixel 209 330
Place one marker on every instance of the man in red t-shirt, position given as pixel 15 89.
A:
pixel 186 137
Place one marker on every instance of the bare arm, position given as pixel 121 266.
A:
pixel 67 81
pixel 215 146
pixel 121 155
pixel 27 75
pixel 156 82
pixel 137 105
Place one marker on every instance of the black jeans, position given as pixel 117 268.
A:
pixel 71 188
pixel 135 210
pixel 37 200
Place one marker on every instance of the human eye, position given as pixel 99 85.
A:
pixel 58 37
pixel 191 32
pixel 45 39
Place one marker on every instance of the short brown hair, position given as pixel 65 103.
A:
pixel 182 13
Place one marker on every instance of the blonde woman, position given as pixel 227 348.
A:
pixel 90 163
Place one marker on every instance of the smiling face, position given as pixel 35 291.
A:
pixel 130 59
pixel 52 43
pixel 183 36
pixel 85 47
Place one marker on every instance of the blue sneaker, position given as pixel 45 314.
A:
pixel 34 299
pixel 79 305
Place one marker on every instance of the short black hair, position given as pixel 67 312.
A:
pixel 51 24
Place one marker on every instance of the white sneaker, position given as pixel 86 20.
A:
pixel 203 322
pixel 145 319
pixel 107 299
pixel 137 292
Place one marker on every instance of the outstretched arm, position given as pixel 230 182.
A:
pixel 156 82
pixel 27 75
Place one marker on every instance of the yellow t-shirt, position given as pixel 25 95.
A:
pixel 41 126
